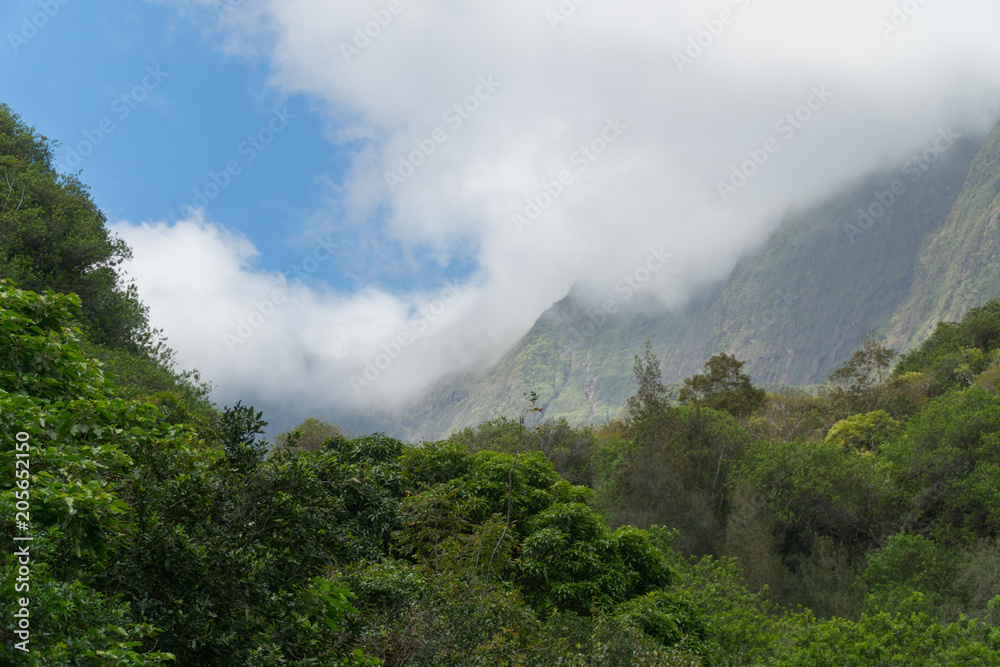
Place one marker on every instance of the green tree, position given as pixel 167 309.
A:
pixel 148 544
pixel 648 412
pixel 823 489
pixel 943 350
pixel 238 431
pixel 790 414
pixel 569 561
pixel 947 460
pixel 309 435
pixel 679 479
pixel 650 401
pixel 910 562
pixel 861 384
pixel 502 434
pixel 723 386
pixel 54 238
pixel 864 432
pixel 64 433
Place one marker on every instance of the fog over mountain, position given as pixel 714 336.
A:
pixel 632 144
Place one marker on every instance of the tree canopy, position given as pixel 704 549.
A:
pixel 54 237
pixel 723 386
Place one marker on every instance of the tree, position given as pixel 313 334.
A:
pixel 238 431
pixel 947 460
pixel 69 439
pixel 723 386
pixel 569 561
pixel 958 352
pixel 53 237
pixel 648 411
pixel 864 432
pixel 650 399
pixel 308 436
pixel 860 385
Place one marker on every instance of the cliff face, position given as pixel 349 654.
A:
pixel 959 267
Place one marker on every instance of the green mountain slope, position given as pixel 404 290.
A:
pixel 579 370
pixel 793 310
pixel 960 266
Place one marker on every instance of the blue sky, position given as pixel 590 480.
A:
pixel 172 131
pixel 445 170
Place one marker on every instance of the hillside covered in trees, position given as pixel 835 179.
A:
pixel 716 525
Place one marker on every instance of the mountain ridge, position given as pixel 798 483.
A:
pixel 793 309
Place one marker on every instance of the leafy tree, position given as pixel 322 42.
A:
pixel 947 460
pixel 723 386
pixel 860 385
pixel 502 434
pixel 433 523
pixel 650 402
pixel 570 562
pixel 369 479
pixel 238 431
pixel 648 414
pixel 822 489
pixel 679 479
pixel 309 435
pixel 56 397
pixel 744 627
pixel 979 329
pixel 435 462
pixel 791 414
pixel 909 639
pixel 910 562
pixel 145 547
pixel 570 449
pixel 864 432
pixel 670 618
pixel 54 238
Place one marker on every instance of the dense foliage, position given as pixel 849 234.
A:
pixel 54 238
pixel 199 543
pixel 857 526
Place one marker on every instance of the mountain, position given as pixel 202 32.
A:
pixel 893 251
pixel 959 268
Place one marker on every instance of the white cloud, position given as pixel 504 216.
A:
pixel 279 343
pixel 558 87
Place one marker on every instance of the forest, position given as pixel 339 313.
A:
pixel 854 523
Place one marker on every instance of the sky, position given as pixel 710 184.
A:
pixel 333 205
